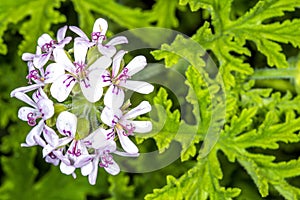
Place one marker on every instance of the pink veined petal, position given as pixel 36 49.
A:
pixel 108 115
pixel 46 108
pixel 39 95
pixel 43 39
pixel 35 131
pixel 136 64
pixel 80 50
pixel 79 32
pixel 117 40
pixel 62 86
pixel 113 168
pixel 91 92
pixel 61 57
pixel 96 139
pixel 66 124
pixel 93 175
pixel 142 108
pixel 54 161
pixel 47 150
pixel 114 97
pixel 25 98
pixel 19 92
pixel 137 86
pixel 141 126
pixel 105 78
pixel 24 111
pixel 39 61
pixel 50 136
pixel 107 50
pixel 117 62
pixel 53 71
pixel 126 143
pixel 61 33
pixel 66 169
pixel 100 25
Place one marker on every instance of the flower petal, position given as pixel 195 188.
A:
pixel 40 60
pixel 24 111
pixel 43 39
pixel 101 26
pixel 50 136
pixel 79 32
pixel 138 86
pixel 142 108
pixel 109 115
pixel 141 126
pixel 80 50
pixel 108 51
pixel 35 131
pixel 22 90
pixel 62 86
pixel 25 98
pixel 53 71
pixel 87 169
pixel 117 62
pixel 117 40
pixel 46 108
pixel 136 64
pixel 93 175
pixel 126 143
pixel 114 97
pixel 66 169
pixel 66 124
pixel 113 168
pixel 61 33
pixel 97 139
pixel 61 57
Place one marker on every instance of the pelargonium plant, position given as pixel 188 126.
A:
pixel 76 100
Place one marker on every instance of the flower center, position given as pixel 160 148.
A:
pixel 33 116
pixel 75 151
pixel 34 75
pixel 96 36
pixel 48 47
pixel 106 159
pixel 82 73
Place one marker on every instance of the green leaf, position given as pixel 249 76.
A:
pixel 119 188
pixel 200 182
pixel 164 12
pixel 42 16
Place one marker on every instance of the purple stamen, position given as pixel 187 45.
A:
pixel 76 152
pixel 72 79
pixel 110 134
pixel 124 76
pixel 48 46
pixel 97 35
pixel 33 74
pixel 106 159
pixel 106 78
pixel 31 119
pixel 67 132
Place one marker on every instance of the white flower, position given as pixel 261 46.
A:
pixel 79 72
pixel 41 108
pixel 121 123
pixel 98 36
pixel 103 150
pixel 118 79
pixel 47 45
pixel 76 155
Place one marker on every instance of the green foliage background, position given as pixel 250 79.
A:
pixel 255 45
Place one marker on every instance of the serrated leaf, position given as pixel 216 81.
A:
pixel 42 16
pixel 119 187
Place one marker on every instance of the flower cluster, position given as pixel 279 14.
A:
pixel 76 99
